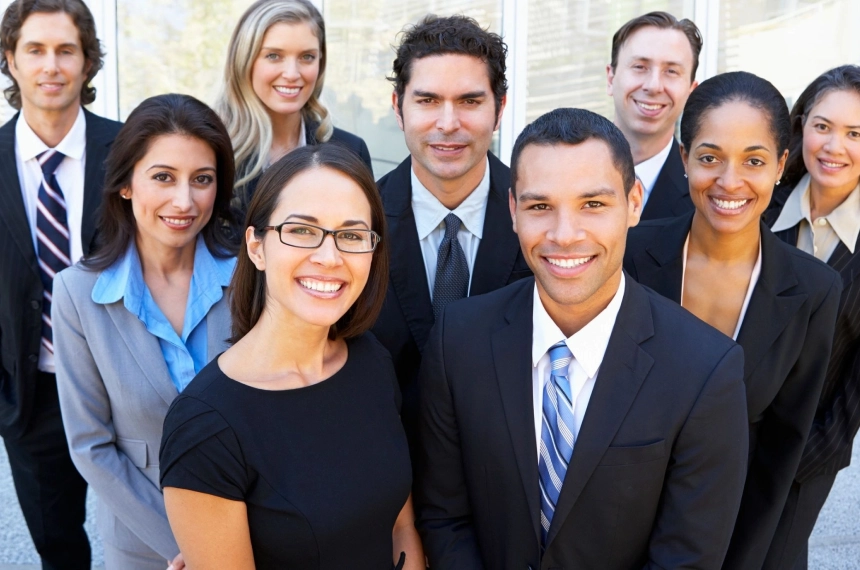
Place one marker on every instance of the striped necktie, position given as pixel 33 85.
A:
pixel 52 233
pixel 556 434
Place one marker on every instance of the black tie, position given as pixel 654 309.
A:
pixel 452 271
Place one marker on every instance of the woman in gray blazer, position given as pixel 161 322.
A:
pixel 134 322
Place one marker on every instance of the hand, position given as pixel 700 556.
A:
pixel 177 563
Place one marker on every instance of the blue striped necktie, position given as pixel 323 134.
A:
pixel 52 233
pixel 556 434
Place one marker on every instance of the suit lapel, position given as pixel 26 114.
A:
pixel 145 350
pixel 624 368
pixel 99 138
pixel 662 266
pixel 217 321
pixel 12 211
pixel 407 273
pixel 846 263
pixel 512 358
pixel 771 307
pixel 675 199
pixel 499 245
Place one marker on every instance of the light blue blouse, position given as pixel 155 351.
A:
pixel 185 355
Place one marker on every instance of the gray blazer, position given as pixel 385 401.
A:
pixel 114 393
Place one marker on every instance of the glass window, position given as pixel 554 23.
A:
pixel 788 42
pixel 361 34
pixel 569 46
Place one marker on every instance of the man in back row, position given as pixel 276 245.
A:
pixel 52 157
pixel 562 422
pixel 446 204
pixel 650 76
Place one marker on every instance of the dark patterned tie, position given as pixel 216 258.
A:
pixel 52 233
pixel 452 271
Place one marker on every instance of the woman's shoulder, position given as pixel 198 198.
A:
pixel 77 277
pixel 367 346
pixel 811 273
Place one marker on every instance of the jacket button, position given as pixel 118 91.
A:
pixel 33 358
pixel 35 304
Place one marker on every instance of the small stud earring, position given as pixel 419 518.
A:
pixel 685 175
pixel 777 182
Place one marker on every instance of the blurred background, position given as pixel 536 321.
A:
pixel 558 51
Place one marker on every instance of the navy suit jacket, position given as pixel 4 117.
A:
pixel 657 469
pixel 670 196
pixel 786 335
pixel 404 324
pixel 20 283
pixel 837 418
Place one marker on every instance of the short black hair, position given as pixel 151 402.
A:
pixel 451 35
pixel 737 86
pixel 572 127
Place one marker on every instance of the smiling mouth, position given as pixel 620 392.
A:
pixel 321 286
pixel 829 164
pixel 649 106
pixel 729 204
pixel 179 222
pixel 288 90
pixel 569 263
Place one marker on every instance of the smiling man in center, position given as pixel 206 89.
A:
pixel 563 423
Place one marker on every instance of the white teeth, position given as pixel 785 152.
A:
pixel 322 286
pixel 729 204
pixel 288 90
pixel 568 263
pixel 179 221
pixel 831 164
pixel 649 107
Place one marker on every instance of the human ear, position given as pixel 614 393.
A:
pixel 512 205
pixel 634 203
pixel 255 249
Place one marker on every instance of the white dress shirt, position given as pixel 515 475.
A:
pixel 588 346
pixel 70 177
pixel 756 272
pixel 820 237
pixel 649 170
pixel 430 217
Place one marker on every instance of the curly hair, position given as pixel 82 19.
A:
pixel 451 35
pixel 10 31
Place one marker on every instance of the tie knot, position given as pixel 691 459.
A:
pixel 49 161
pixel 560 357
pixel 452 226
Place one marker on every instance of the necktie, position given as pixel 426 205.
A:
pixel 52 233
pixel 452 271
pixel 556 434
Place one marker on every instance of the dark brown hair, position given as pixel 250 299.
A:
pixel 248 290
pixel 843 78
pixel 170 114
pixel 10 31
pixel 664 21
pixel 455 35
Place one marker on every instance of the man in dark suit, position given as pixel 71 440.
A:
pixel 446 204
pixel 51 177
pixel 563 423
pixel 650 76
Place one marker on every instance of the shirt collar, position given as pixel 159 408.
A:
pixel 844 219
pixel 588 345
pixel 429 211
pixel 73 144
pixel 649 170
pixel 124 279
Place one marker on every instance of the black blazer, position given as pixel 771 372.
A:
pixel 786 335
pixel 338 136
pixel 670 196
pixel 837 418
pixel 404 324
pixel 21 300
pixel 657 470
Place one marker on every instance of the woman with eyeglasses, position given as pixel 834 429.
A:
pixel 287 451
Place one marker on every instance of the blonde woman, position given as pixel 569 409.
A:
pixel 270 101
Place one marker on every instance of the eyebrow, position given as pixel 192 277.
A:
pixel 264 48
pixel 649 60
pixel 40 44
pixel 313 220
pixel 826 120
pixel 168 167
pixel 752 148
pixel 430 95
pixel 596 193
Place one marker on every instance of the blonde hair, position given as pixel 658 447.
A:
pixel 240 108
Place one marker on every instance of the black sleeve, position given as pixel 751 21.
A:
pixel 365 156
pixel 200 452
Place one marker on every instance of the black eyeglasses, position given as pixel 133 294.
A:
pixel 310 237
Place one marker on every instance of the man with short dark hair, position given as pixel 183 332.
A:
pixel 563 423
pixel 446 204
pixel 650 76
pixel 51 177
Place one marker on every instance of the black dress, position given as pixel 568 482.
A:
pixel 324 469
